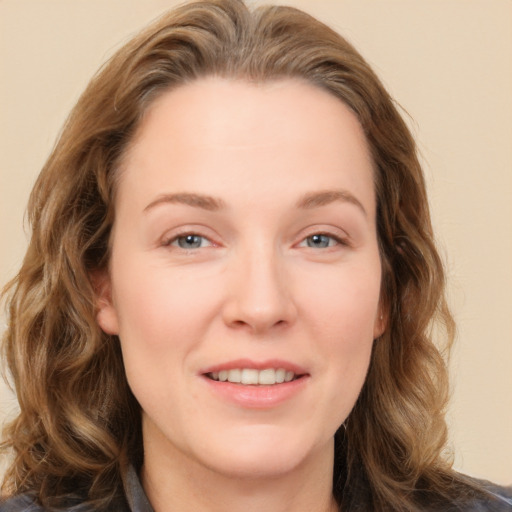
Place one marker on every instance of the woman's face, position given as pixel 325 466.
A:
pixel 244 248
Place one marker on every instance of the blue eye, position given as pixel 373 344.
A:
pixel 190 241
pixel 321 241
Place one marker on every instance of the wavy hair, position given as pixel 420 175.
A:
pixel 78 429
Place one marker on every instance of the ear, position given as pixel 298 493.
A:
pixel 381 322
pixel 106 314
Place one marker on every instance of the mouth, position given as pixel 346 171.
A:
pixel 254 377
pixel 258 385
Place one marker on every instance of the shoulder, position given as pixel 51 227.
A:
pixel 22 503
pixel 500 498
pixel 26 503
pixel 483 496
pixel 135 500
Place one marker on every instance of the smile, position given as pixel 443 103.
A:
pixel 254 377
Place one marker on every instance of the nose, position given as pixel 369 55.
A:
pixel 259 297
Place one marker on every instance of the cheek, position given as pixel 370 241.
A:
pixel 345 310
pixel 345 304
pixel 158 307
pixel 164 316
pixel 156 331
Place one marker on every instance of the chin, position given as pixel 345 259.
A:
pixel 256 466
pixel 263 454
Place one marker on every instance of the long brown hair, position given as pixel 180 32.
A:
pixel 78 429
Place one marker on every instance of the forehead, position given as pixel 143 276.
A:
pixel 256 131
pixel 236 105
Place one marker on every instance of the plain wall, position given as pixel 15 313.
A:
pixel 448 63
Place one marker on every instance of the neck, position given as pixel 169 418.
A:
pixel 175 483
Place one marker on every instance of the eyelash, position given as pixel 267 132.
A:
pixel 337 240
pixel 175 241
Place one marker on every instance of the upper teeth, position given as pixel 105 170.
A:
pixel 251 376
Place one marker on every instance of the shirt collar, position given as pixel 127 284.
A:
pixel 135 495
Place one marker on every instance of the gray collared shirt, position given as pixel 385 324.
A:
pixel 500 500
pixel 136 500
pixel 135 495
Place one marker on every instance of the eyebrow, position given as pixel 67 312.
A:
pixel 307 201
pixel 196 200
pixel 325 197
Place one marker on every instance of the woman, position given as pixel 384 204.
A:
pixel 228 294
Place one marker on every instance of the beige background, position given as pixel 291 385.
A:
pixel 449 63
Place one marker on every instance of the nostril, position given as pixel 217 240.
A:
pixel 257 326
pixel 239 323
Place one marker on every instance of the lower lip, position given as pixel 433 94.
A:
pixel 257 397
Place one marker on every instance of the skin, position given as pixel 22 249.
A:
pixel 257 285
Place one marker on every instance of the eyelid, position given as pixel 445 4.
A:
pixel 340 236
pixel 175 241
pixel 338 241
pixel 171 236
